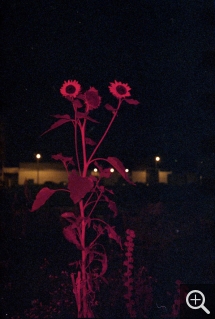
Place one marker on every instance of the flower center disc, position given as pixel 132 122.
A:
pixel 70 89
pixel 121 89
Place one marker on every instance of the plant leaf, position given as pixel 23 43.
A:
pixel 117 164
pixel 104 262
pixel 128 273
pixel 109 190
pixel 69 216
pixel 71 235
pixel 64 116
pixel 98 228
pixel 42 197
pixel 103 172
pixel 81 115
pixel 75 263
pixel 125 262
pixel 130 266
pixel 128 254
pixel 79 186
pixel 113 235
pixel 77 104
pixel 132 101
pixel 101 257
pixel 57 124
pixel 110 108
pixel 89 141
pixel 63 159
pixel 111 205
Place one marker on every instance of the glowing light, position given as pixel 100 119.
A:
pixel 157 158
pixel 126 170
pixel 95 170
pixel 112 170
pixel 38 157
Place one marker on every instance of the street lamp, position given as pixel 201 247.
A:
pixel 38 157
pixel 157 159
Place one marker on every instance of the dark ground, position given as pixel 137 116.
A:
pixel 174 241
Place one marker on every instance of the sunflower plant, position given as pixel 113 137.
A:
pixel 86 190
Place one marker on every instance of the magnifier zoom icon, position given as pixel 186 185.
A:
pixel 195 298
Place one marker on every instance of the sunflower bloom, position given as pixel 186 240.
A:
pixel 119 90
pixel 70 89
pixel 92 99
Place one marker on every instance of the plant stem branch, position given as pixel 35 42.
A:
pixel 76 141
pixel 83 142
pixel 106 131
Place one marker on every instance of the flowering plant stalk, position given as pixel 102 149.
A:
pixel 128 275
pixel 85 190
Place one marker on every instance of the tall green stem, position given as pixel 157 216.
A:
pixel 76 142
pixel 83 173
pixel 83 262
pixel 85 164
pixel 83 225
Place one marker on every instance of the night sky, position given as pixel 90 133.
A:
pixel 162 49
